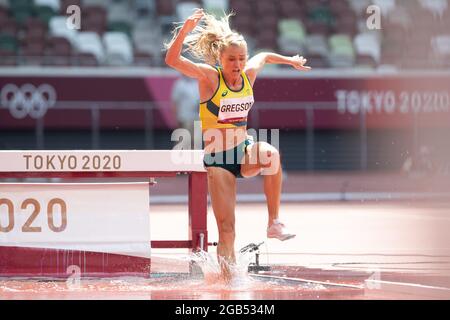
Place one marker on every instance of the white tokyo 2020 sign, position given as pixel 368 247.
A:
pixel 97 217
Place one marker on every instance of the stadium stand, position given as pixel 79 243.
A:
pixel 332 34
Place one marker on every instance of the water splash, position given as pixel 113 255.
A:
pixel 211 269
pixel 205 282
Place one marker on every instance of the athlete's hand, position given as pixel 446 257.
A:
pixel 298 62
pixel 192 21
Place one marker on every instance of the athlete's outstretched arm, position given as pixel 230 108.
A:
pixel 257 62
pixel 174 58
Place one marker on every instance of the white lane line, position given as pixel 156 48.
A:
pixel 408 288
pixel 323 196
pixel 323 283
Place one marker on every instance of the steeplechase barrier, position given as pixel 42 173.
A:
pixel 94 227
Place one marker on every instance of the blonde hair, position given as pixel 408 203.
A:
pixel 209 38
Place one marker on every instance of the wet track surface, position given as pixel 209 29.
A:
pixel 343 250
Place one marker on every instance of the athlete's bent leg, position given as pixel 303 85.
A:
pixel 265 159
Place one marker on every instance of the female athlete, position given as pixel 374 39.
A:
pixel 226 79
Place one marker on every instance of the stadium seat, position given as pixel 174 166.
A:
pixel 94 19
pixel 58 27
pixel 120 12
pixel 241 8
pixel 144 59
pixel 316 44
pixel 394 36
pixel 321 14
pixel 346 24
pixel 391 55
pixel 437 7
pixel 89 42
pixel 341 43
pixel 265 7
pixel 385 5
pixel 425 20
pixel 101 3
pixel 59 45
pixel 45 13
pixel 340 8
pixel 365 62
pixel 144 39
pixel 368 44
pixel 317 61
pixel 21 10
pixel 267 39
pixel 445 22
pixel 216 7
pixel 8 43
pixel 145 7
pixel 289 47
pixel 33 53
pixel 54 4
pixel 399 17
pixel 441 44
pixel 243 23
pixel 291 9
pixel 149 26
pixel 86 59
pixel 64 4
pixel 166 15
pixel 359 7
pixel 7 57
pixel 342 54
pixel 59 52
pixel 118 48
pixel 146 43
pixel 416 56
pixel 37 35
pixel 165 8
pixel 292 29
pixel 9 27
pixel 441 49
pixel 3 13
pixel 121 26
pixel 20 4
pixel 340 60
pixel 317 27
pixel 185 9
pixel 36 27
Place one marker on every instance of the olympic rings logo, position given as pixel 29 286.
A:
pixel 27 99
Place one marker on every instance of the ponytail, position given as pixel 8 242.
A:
pixel 209 38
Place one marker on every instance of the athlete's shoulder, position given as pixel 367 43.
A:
pixel 247 79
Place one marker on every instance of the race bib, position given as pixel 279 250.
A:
pixel 234 110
